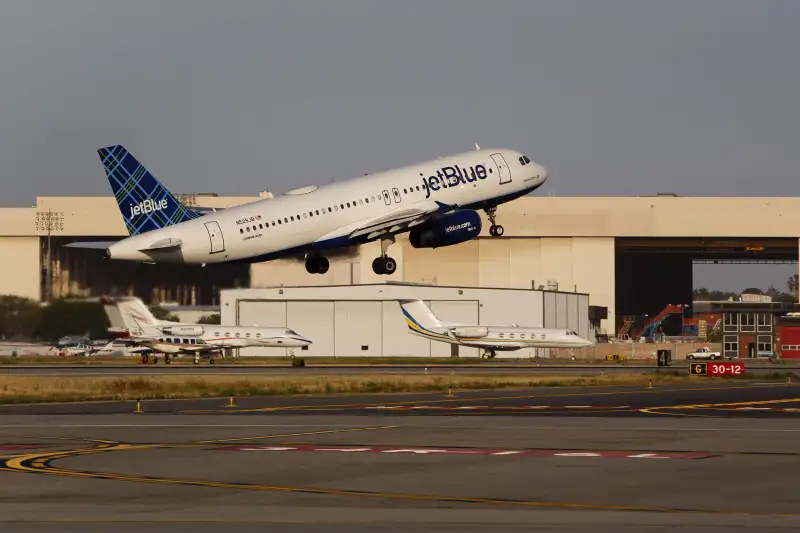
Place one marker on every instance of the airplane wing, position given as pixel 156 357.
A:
pixel 392 222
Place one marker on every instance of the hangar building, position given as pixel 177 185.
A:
pixel 366 320
pixel 632 255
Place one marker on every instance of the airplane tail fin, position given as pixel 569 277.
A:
pixel 145 204
pixel 136 315
pixel 419 316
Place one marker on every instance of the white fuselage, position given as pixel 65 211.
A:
pixel 322 217
pixel 504 338
pixel 215 337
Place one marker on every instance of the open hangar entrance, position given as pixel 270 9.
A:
pixel 654 273
pixel 75 272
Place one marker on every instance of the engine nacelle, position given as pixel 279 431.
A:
pixel 188 331
pixel 476 332
pixel 453 228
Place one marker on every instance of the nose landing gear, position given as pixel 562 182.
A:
pixel 385 264
pixel 495 230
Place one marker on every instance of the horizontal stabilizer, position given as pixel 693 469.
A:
pixel 163 244
pixel 90 245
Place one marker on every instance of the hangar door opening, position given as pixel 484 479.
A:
pixel 464 312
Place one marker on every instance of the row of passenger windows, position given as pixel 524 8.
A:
pixel 318 212
pixel 532 335
pixel 172 340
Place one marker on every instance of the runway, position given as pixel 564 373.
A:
pixel 486 368
pixel 716 457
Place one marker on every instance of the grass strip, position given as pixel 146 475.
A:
pixel 36 389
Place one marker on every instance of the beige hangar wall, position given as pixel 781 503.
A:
pixel 19 267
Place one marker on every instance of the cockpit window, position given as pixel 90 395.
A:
pixel 525 157
pixel 290 332
pixel 522 161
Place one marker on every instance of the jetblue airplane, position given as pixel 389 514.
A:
pixel 436 202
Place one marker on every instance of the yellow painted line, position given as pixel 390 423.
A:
pixel 16 465
pixel 326 407
pixel 390 495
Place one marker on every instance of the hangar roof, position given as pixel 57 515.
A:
pixel 531 216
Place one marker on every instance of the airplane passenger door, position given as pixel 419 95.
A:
pixel 396 193
pixel 386 197
pixel 215 236
pixel 502 168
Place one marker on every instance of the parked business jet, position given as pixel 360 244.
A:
pixel 435 201
pixel 200 339
pixel 422 321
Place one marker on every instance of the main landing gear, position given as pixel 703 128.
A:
pixel 495 230
pixel 385 264
pixel 316 264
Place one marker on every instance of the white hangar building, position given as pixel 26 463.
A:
pixel 366 320
pixel 631 255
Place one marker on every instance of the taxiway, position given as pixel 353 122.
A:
pixel 716 457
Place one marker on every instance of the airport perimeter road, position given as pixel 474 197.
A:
pixel 715 458
pixel 132 369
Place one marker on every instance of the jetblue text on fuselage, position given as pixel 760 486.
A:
pixel 452 177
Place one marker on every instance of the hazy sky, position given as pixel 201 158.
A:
pixel 696 97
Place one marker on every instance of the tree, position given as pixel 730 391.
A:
pixel 791 283
pixel 213 318
pixel 162 314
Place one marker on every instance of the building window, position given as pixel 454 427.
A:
pixel 765 343
pixel 764 322
pixel 747 322
pixel 731 322
pixel 731 345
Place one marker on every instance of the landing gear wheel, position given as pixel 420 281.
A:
pixel 377 265
pixel 316 264
pixel 495 230
pixel 167 359
pixel 196 360
pixel 384 265
pixel 212 360
pixel 389 265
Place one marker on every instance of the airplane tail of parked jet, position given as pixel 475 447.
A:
pixel 137 318
pixel 421 318
pixel 144 202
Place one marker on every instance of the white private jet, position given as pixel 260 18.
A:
pixel 435 201
pixel 422 321
pixel 176 338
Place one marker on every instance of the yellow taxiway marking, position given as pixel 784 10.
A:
pixel 41 463
pixel 326 407
pixel 712 406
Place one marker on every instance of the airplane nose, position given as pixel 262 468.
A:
pixel 542 173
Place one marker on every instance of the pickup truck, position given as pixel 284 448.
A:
pixel 703 353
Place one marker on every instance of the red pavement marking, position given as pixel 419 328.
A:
pixel 463 451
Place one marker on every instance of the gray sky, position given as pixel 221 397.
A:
pixel 696 97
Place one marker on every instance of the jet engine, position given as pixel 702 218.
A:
pixel 473 332
pixel 453 228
